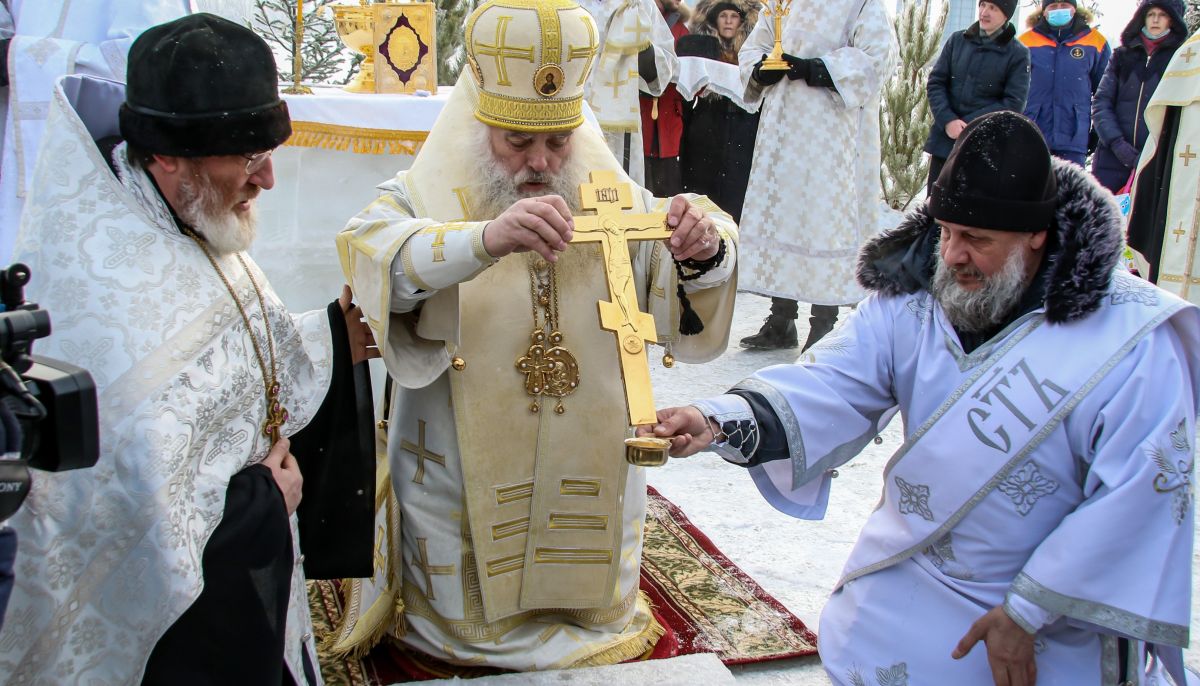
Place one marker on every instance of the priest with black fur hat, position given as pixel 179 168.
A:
pixel 177 559
pixel 1048 404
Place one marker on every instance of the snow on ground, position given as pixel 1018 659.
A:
pixel 796 561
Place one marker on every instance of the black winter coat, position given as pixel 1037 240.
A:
pixel 717 150
pixel 973 77
pixel 1119 106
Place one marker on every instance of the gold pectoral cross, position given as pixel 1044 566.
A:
pixel 613 229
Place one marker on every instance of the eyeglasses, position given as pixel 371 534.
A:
pixel 255 162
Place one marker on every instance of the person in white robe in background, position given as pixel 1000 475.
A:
pixel 1042 502
pixel 814 191
pixel 636 53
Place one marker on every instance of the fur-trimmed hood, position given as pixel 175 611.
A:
pixel 1081 13
pixel 699 23
pixel 1084 247
pixel 1174 8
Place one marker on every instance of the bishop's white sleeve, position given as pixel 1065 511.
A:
pixel 860 69
pixel 1121 562
pixel 435 257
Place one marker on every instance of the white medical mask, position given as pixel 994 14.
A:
pixel 1059 18
pixel 1151 36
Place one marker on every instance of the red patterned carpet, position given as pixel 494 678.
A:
pixel 706 604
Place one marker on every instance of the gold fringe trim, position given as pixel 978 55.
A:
pixel 362 141
pixel 369 630
pixel 638 647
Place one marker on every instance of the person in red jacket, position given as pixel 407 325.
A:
pixel 662 118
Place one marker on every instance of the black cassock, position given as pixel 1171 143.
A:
pixel 1148 215
pixel 234 632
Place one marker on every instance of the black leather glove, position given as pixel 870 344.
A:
pixel 767 77
pixel 798 67
pixel 647 69
pixel 818 75
pixel 811 69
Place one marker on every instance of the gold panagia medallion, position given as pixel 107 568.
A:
pixel 551 371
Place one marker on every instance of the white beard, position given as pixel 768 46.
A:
pixel 985 307
pixel 203 207
pixel 498 190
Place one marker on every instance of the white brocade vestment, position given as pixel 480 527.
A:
pixel 1061 532
pixel 110 557
pixel 627 27
pixel 515 537
pixel 53 38
pixel 814 191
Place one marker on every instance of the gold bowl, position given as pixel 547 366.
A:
pixel 356 27
pixel 646 451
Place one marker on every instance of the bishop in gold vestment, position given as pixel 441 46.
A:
pixel 513 534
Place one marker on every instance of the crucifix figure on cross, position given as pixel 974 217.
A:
pixel 612 228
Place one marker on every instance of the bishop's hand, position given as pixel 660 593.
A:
pixel 542 224
pixel 694 235
pixel 688 430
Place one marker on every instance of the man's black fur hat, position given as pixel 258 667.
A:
pixel 200 86
pixel 997 177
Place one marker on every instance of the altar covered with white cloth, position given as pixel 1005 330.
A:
pixel 343 145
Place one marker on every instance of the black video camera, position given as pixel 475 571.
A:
pixel 48 410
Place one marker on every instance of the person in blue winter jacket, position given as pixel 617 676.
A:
pixel 1133 73
pixel 1068 58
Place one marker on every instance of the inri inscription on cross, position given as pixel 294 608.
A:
pixel 612 228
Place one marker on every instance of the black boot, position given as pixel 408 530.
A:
pixel 776 333
pixel 820 323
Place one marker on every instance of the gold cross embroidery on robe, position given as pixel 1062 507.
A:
pixel 428 570
pixel 613 229
pixel 421 452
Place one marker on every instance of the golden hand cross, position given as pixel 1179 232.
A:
pixel 613 229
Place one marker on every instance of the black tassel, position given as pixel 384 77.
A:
pixel 690 323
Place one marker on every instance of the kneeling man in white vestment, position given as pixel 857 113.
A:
pixel 177 558
pixel 1037 521
pixel 517 541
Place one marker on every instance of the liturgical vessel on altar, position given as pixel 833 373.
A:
pixel 399 41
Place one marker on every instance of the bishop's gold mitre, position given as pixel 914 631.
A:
pixel 531 59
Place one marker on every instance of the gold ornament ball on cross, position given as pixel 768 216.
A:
pixel 777 10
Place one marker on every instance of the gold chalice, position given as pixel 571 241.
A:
pixel 356 27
